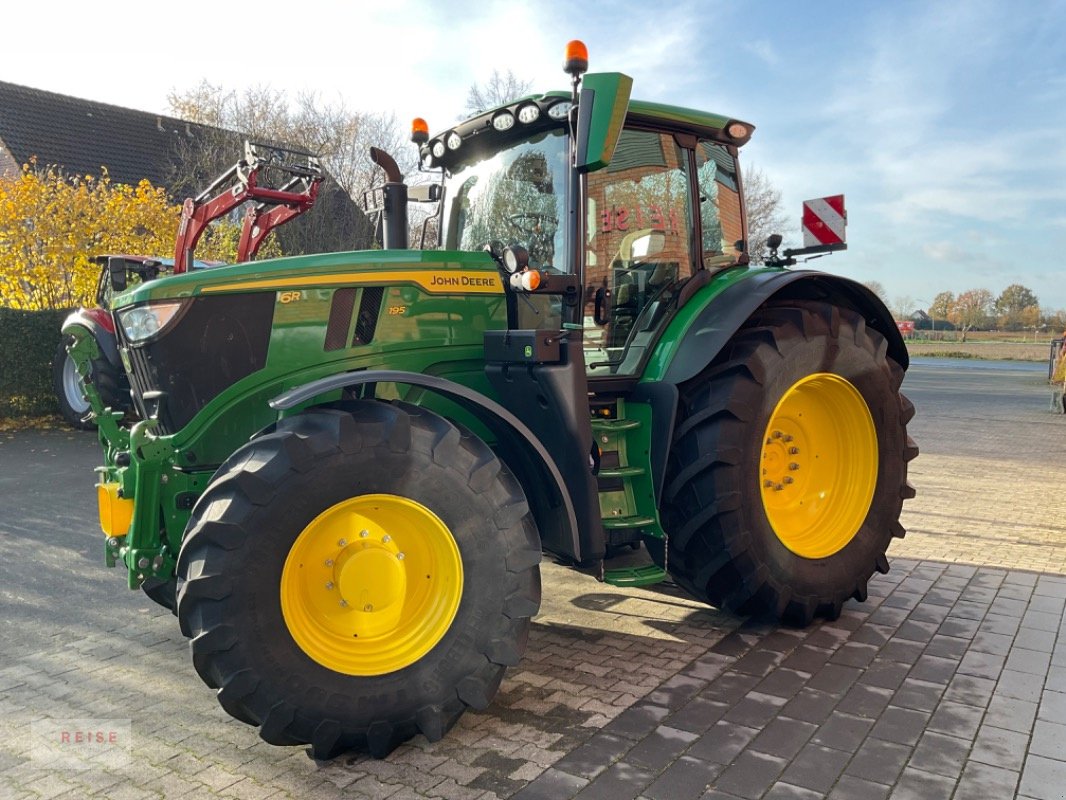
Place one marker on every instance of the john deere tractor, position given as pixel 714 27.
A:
pixel 346 466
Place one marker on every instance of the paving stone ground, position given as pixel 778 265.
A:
pixel 950 681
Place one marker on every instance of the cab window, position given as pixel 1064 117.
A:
pixel 721 221
pixel 639 247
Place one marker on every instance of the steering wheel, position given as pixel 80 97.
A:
pixel 530 223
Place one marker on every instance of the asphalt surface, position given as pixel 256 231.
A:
pixel 950 681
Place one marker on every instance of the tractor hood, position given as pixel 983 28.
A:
pixel 433 271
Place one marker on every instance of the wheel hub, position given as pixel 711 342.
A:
pixel 371 584
pixel 818 466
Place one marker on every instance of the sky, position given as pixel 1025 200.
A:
pixel 943 123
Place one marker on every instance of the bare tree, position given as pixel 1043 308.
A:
pixel 903 307
pixel 763 207
pixel 877 288
pixel 339 136
pixel 496 91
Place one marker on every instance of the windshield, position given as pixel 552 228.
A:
pixel 517 196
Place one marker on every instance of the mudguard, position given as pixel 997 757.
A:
pixel 724 314
pixel 89 318
pixel 520 449
pixel 727 311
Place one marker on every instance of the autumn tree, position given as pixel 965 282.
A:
pixel 970 310
pixel 52 224
pixel 1017 307
pixel 496 91
pixel 762 203
pixel 942 305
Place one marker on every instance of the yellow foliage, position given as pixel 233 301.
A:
pixel 51 224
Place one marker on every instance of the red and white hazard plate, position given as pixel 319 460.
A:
pixel 824 221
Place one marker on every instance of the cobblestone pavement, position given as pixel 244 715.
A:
pixel 949 681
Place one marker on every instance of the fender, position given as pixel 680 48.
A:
pixel 525 455
pixel 723 315
pixel 92 320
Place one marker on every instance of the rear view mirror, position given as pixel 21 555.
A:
pixel 116 268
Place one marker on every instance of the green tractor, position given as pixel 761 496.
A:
pixel 347 465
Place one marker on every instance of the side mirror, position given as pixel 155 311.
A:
pixel 774 241
pixel 116 268
pixel 740 245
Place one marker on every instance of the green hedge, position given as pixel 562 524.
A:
pixel 28 342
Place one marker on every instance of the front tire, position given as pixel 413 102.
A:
pixel 68 388
pixel 358 576
pixel 788 470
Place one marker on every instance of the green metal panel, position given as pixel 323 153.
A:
pixel 680 326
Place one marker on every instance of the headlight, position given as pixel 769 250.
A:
pixel 141 322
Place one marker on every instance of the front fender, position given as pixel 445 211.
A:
pixel 520 448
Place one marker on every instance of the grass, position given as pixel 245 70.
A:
pixel 986 350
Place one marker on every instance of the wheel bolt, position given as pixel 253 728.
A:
pixel 769 441
pixel 400 556
pixel 344 603
pixel 788 479
pixel 776 434
pixel 342 543
pixel 793 451
pixel 778 487
pixel 386 539
pixel 788 437
pixel 329 585
pixel 368 607
pixel 363 534
pixel 767 483
pixel 329 562
pixel 793 466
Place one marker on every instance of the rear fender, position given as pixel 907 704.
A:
pixel 523 453
pixel 724 313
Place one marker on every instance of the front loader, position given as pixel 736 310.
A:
pixel 349 464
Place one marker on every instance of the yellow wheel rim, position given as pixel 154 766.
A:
pixel 819 465
pixel 371 585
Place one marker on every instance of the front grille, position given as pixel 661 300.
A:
pixel 217 341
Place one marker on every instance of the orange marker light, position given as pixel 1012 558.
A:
pixel 576 61
pixel 419 131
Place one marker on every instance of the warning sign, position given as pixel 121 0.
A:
pixel 824 221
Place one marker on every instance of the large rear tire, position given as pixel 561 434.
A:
pixel 358 576
pixel 788 469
